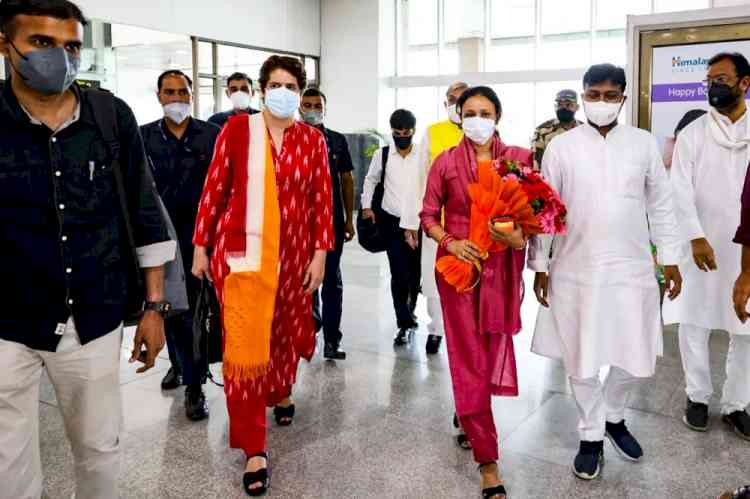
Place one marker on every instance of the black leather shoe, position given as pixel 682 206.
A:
pixel 696 416
pixel 624 441
pixel 172 380
pixel 433 344
pixel 588 462
pixel 333 352
pixel 740 423
pixel 402 337
pixel 196 408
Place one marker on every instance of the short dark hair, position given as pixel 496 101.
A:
pixel 287 63
pixel 689 117
pixel 480 91
pixel 59 9
pixel 402 119
pixel 239 77
pixel 314 92
pixel 601 73
pixel 172 72
pixel 740 62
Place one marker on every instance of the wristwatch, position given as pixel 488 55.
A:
pixel 162 307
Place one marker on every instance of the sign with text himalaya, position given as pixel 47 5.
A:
pixel 677 82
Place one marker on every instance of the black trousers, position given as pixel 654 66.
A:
pixel 179 332
pixel 406 272
pixel 332 294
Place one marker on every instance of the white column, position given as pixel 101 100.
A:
pixel 471 40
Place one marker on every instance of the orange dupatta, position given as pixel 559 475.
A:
pixel 251 286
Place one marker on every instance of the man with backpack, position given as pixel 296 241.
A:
pixel 68 253
pixel 180 148
pixel 393 171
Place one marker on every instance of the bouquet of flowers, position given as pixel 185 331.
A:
pixel 507 195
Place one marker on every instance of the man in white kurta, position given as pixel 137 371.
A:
pixel 708 172
pixel 598 285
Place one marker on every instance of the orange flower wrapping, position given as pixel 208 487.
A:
pixel 491 197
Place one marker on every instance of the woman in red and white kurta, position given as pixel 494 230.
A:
pixel 265 240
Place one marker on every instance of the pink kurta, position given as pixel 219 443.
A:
pixel 479 324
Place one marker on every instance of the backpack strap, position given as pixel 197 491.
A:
pixel 386 152
pixel 105 115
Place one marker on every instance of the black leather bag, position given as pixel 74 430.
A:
pixel 207 332
pixel 373 235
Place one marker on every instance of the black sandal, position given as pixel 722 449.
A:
pixel 261 476
pixel 284 415
pixel 461 439
pixel 493 492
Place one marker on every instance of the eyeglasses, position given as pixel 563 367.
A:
pixel 612 96
pixel 719 80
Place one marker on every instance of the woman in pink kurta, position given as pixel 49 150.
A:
pixel 480 323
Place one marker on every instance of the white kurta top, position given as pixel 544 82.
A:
pixel 603 296
pixel 410 220
pixel 708 179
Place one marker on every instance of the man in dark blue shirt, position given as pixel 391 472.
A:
pixel 63 238
pixel 180 148
pixel 240 92
pixel 312 109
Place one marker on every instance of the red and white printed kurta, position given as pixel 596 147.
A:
pixel 305 201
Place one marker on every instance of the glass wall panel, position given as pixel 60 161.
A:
pixel 610 46
pixel 613 15
pixel 424 102
pixel 675 5
pixel 140 56
pixel 511 54
pixel 564 51
pixel 207 97
pixel 517 123
pixel 512 18
pixel 423 22
pixel 568 16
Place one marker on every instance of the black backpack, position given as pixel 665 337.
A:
pixel 105 116
pixel 372 236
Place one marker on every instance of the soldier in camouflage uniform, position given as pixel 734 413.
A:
pixel 566 106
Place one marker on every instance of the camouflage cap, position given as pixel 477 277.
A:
pixel 567 94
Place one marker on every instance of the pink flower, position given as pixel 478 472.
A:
pixel 512 176
pixel 547 221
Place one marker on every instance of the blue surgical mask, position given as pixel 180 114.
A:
pixel 282 102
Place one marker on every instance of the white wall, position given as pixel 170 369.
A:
pixel 290 25
pixel 350 63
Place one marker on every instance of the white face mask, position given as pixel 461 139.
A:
pixel 479 130
pixel 240 100
pixel 453 114
pixel 177 111
pixel 602 113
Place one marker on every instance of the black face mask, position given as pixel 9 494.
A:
pixel 722 96
pixel 565 115
pixel 402 142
